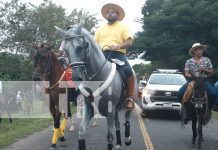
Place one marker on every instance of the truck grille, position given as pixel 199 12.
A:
pixel 170 96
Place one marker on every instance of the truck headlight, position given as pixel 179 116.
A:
pixel 148 92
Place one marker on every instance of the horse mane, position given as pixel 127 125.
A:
pixel 90 37
pixel 56 66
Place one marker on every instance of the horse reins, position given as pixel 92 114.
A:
pixel 56 82
pixel 92 76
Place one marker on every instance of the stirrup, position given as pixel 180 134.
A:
pixel 128 100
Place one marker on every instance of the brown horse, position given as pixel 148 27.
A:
pixel 47 68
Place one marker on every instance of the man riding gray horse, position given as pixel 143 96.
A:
pixel 89 64
pixel 113 39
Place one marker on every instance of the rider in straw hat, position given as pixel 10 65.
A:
pixel 114 38
pixel 198 65
pixel 196 46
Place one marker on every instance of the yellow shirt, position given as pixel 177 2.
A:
pixel 115 34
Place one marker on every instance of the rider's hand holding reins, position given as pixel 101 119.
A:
pixel 189 75
pixel 115 47
pixel 203 69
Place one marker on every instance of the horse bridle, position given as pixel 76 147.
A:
pixel 195 99
pixel 47 73
pixel 200 99
pixel 84 63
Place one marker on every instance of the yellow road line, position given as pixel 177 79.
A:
pixel 147 139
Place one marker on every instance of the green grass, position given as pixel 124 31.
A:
pixel 9 133
pixel 21 127
pixel 215 115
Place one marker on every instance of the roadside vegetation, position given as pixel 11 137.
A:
pixel 22 127
pixel 170 27
pixel 215 115
pixel 9 133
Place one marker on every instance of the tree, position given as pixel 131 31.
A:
pixel 14 16
pixel 143 70
pixel 24 23
pixel 78 16
pixel 21 24
pixel 44 18
pixel 10 66
pixel 172 26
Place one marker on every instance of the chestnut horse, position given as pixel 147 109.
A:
pixel 47 68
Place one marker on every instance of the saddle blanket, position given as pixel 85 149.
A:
pixel 188 93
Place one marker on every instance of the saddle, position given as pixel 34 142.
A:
pixel 119 64
pixel 188 93
pixel 120 69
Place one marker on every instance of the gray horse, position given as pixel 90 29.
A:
pixel 89 64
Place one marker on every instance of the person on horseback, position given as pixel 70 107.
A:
pixel 194 67
pixel 113 39
pixel 61 48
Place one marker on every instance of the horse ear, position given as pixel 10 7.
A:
pixel 35 46
pixel 79 29
pixel 60 32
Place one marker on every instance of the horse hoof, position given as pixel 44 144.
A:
pixel 199 147
pixel 62 139
pixel 110 147
pixel 118 147
pixel 82 144
pixel 128 141
pixel 53 146
pixel 72 128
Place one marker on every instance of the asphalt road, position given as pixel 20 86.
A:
pixel 161 131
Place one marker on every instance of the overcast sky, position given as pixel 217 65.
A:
pixel 132 9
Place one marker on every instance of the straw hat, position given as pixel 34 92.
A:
pixel 106 7
pixel 196 45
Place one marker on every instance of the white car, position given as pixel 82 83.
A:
pixel 161 91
